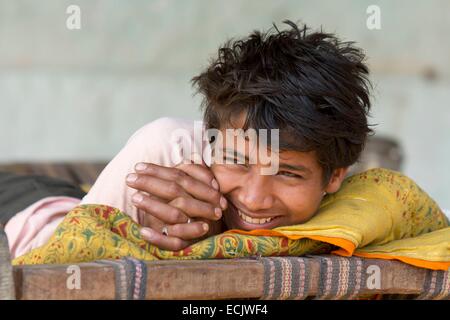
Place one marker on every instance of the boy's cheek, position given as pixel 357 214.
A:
pixel 300 217
pixel 303 209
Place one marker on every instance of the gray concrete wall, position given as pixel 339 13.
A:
pixel 79 94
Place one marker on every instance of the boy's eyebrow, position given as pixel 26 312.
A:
pixel 294 167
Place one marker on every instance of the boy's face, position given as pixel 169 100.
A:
pixel 290 196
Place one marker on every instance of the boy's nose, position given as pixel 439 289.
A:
pixel 256 194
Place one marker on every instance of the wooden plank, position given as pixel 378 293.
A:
pixel 203 279
pixel 19 168
pixel 44 282
pixel 86 173
pixel 58 170
pixel 79 172
pixel 74 172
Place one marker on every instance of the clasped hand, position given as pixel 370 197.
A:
pixel 181 204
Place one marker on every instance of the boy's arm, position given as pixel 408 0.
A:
pixel 150 144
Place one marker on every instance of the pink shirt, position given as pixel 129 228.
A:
pixel 33 227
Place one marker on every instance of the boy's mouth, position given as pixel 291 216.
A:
pixel 249 219
pixel 238 219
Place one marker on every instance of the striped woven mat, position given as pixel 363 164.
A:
pixel 339 278
pixel 130 277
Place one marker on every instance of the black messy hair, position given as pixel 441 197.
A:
pixel 310 85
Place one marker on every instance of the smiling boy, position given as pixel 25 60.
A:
pixel 310 86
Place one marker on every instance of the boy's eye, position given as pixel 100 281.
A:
pixel 289 174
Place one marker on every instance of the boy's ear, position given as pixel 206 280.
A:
pixel 336 179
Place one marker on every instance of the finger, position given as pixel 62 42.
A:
pixel 188 231
pixel 199 181
pixel 195 179
pixel 161 188
pixel 172 175
pixel 196 208
pixel 204 174
pixel 162 211
pixel 162 241
pixel 166 173
pixel 202 191
pixel 150 221
pixel 200 172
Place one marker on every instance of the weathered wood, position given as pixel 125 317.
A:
pixel 76 172
pixel 85 173
pixel 51 282
pixel 7 290
pixel 58 170
pixel 19 168
pixel 204 279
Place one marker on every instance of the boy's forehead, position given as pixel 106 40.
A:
pixel 236 121
pixel 308 159
pixel 305 158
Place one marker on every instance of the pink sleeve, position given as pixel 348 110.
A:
pixel 152 143
pixel 33 227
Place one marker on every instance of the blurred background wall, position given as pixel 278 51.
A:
pixel 79 94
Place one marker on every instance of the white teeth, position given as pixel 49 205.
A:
pixel 254 220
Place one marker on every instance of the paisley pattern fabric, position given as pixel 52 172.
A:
pixel 378 214
pixel 92 232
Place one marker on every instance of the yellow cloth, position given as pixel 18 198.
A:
pixel 377 214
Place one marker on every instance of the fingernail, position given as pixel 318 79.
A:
pixel 147 234
pixel 137 198
pixel 205 227
pixel 140 166
pixel 214 184
pixel 218 212
pixel 223 202
pixel 132 177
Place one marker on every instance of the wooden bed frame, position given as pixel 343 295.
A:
pixel 205 279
